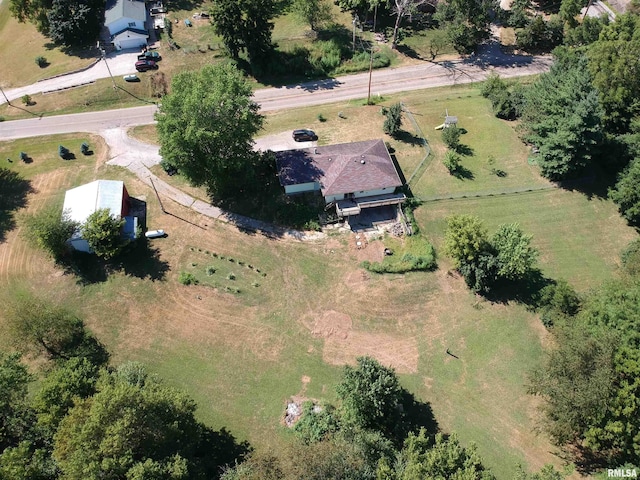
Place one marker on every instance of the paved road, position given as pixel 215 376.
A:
pixel 388 81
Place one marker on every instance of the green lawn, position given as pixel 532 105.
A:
pixel 43 154
pixel 20 44
pixel 242 355
pixel 579 239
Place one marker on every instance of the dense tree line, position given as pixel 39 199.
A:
pixel 88 420
pixel 582 117
pixel 591 379
pixel 70 23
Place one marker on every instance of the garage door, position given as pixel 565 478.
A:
pixel 135 42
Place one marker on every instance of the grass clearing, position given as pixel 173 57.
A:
pixel 43 154
pixel 579 239
pixel 241 356
pixel 18 56
pixel 99 95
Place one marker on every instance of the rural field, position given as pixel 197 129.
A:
pixel 274 317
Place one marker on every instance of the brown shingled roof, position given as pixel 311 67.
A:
pixel 343 168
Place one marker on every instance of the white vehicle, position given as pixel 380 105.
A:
pixel 154 233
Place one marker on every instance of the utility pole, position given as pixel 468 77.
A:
pixel 5 97
pixel 375 14
pixel 104 57
pixel 355 21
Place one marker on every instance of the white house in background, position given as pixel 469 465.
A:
pixel 82 201
pixel 126 21
pixel 354 175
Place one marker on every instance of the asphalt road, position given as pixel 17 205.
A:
pixel 416 77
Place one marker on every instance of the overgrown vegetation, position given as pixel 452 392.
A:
pixel 414 253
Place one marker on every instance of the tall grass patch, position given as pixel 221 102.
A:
pixel 410 254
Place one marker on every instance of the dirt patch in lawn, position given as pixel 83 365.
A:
pixel 398 352
pixel 332 323
pixel 362 249
pixel 343 344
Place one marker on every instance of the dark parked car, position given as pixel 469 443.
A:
pixel 155 56
pixel 304 135
pixel 144 65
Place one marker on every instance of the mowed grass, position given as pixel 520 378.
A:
pixel 99 95
pixel 43 154
pixel 20 44
pixel 579 238
pixel 241 356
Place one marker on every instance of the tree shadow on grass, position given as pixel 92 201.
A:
pixel 463 173
pixel 409 138
pixel 464 150
pixel 417 415
pixel 409 52
pixel 13 196
pixel 220 449
pixel 139 260
pixel 142 261
pixel 525 291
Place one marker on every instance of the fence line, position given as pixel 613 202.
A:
pixel 486 194
pixel 425 144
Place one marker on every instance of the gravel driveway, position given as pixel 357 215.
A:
pixel 279 142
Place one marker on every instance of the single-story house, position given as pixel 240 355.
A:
pixel 126 21
pixel 82 201
pixel 354 175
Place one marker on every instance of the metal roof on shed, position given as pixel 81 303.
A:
pixel 82 201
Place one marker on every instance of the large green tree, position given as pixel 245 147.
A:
pixel 626 192
pixel 206 125
pixel 467 22
pixel 426 458
pixel 614 62
pixel 246 25
pixel 515 254
pixel 370 394
pixel 71 381
pixel 313 12
pixel 33 10
pixel 75 22
pixel 136 430
pixel 103 233
pixel 50 230
pixel 70 23
pixel 15 415
pixel 465 238
pixel 562 117
pixel 37 325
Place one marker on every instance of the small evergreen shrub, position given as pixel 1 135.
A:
pixel 187 278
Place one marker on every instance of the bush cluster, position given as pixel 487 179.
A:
pixel 507 102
